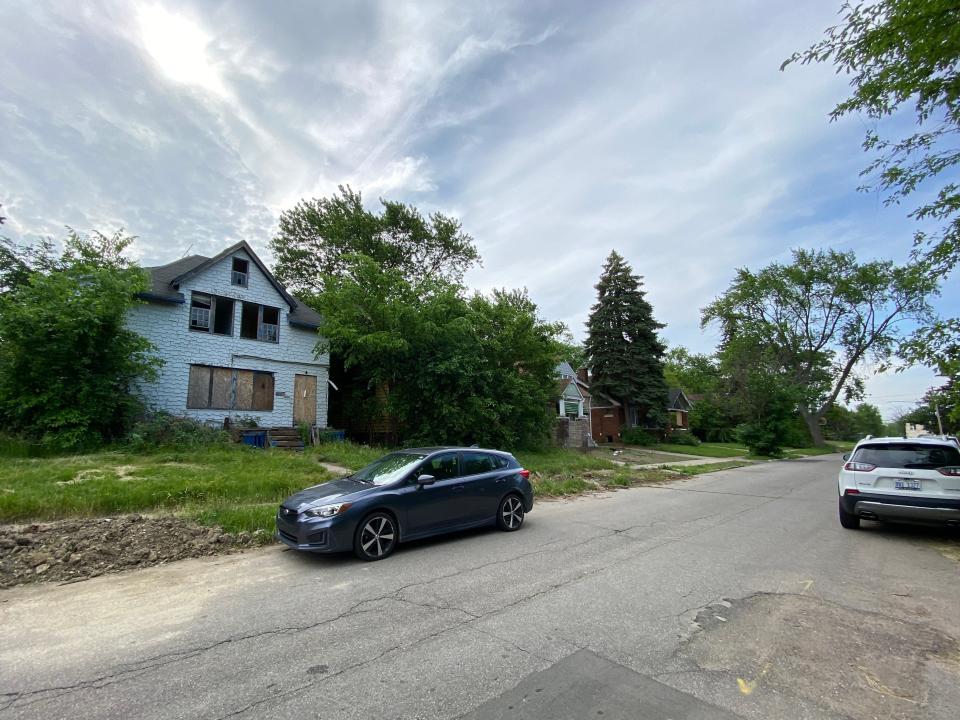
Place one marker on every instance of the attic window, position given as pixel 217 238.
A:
pixel 239 274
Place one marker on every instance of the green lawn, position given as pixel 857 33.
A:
pixel 232 484
pixel 239 487
pixel 708 467
pixel 713 450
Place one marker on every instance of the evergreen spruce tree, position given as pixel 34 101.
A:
pixel 625 353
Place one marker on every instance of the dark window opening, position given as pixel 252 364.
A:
pixel 239 272
pixel 211 313
pixel 260 322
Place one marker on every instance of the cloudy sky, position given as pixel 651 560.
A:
pixel 556 131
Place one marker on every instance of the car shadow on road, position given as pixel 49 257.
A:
pixel 945 540
pixel 413 547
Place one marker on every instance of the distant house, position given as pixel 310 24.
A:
pixel 609 417
pixel 234 342
pixel 574 408
pixel 678 409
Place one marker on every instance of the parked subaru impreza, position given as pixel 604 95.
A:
pixel 407 495
pixel 901 479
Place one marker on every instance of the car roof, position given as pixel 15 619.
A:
pixel 938 440
pixel 450 448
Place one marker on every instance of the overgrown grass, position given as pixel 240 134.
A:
pixel 708 467
pixel 559 460
pixel 229 477
pixel 714 450
pixel 348 454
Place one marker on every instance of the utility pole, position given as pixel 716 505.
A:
pixel 936 408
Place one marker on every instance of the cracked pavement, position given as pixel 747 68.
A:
pixel 668 584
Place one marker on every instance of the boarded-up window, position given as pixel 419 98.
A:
pixel 262 391
pixel 216 388
pixel 198 393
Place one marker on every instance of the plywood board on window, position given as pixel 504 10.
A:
pixel 221 394
pixel 198 390
pixel 262 391
pixel 244 390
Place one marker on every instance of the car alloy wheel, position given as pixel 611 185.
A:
pixel 510 515
pixel 376 537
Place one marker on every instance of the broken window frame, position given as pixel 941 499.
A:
pixel 210 312
pixel 238 276
pixel 266 332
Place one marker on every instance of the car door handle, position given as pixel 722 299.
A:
pixel 458 487
pixel 501 479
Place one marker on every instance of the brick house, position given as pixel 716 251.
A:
pixel 234 343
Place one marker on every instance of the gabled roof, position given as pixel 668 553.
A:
pixel 165 283
pixel 565 369
pixel 674 397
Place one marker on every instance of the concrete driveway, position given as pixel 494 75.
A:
pixel 732 594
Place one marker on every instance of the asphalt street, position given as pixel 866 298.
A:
pixel 735 594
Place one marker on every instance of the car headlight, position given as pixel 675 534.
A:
pixel 325 511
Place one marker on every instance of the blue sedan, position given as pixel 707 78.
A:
pixel 407 495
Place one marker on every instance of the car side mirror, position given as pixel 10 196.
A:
pixel 426 480
pixel 846 456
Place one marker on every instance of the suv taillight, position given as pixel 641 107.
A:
pixel 950 471
pixel 525 474
pixel 859 467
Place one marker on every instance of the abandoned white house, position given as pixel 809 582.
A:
pixel 233 341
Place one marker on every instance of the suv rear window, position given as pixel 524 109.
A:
pixel 908 455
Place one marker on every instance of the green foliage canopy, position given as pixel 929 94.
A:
pixel 318 237
pixel 901 54
pixel 818 317
pixel 67 361
pixel 459 369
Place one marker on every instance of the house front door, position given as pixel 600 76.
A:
pixel 305 399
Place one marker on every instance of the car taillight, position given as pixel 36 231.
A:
pixel 859 467
pixel 851 491
pixel 950 471
pixel 525 474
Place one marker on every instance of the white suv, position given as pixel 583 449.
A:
pixel 894 478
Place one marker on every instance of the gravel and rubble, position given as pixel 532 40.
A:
pixel 82 548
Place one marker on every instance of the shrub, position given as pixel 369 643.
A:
pixel 165 430
pixel 637 436
pixel 681 437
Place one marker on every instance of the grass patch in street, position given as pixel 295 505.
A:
pixel 708 467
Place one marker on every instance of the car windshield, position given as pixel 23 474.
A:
pixel 908 455
pixel 388 468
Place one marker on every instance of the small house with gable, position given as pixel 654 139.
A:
pixel 233 341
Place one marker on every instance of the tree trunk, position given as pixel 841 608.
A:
pixel 813 425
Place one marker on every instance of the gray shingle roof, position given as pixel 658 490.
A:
pixel 165 283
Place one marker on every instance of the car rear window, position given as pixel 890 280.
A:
pixel 908 455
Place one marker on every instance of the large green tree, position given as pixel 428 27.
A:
pixel 623 348
pixel 67 360
pixel 903 57
pixel 819 318
pixel 459 369
pixel 318 237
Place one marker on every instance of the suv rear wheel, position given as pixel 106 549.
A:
pixel 850 522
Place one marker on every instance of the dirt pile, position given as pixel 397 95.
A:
pixel 82 548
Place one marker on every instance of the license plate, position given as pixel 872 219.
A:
pixel 907 484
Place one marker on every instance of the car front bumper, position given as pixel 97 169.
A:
pixel 319 535
pixel 935 511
